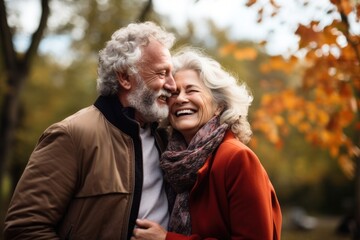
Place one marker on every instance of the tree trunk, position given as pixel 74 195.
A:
pixel 16 70
pixel 9 120
pixel 356 235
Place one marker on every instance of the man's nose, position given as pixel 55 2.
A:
pixel 170 83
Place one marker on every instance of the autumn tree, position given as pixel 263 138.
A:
pixel 324 106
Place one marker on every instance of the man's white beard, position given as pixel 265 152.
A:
pixel 144 100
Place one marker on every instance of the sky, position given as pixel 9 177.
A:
pixel 230 14
pixel 242 21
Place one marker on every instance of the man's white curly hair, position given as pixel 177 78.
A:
pixel 123 51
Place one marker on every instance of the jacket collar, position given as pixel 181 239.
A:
pixel 116 114
pixel 121 117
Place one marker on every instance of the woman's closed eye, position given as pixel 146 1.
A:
pixel 192 91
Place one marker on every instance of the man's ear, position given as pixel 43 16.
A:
pixel 124 80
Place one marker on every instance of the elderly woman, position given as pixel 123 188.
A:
pixel 223 191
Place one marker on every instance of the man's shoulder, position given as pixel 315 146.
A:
pixel 82 120
pixel 80 115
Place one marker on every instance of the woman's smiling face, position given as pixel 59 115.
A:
pixel 192 105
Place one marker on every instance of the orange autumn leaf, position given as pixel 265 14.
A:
pixel 322 118
pixel 265 68
pixel 249 3
pixel 347 165
pixel 346 117
pixel 295 117
pixel 245 54
pixel 304 127
pixel 278 63
pixel 334 151
pixel 227 49
pixel 290 99
pixel 346 7
pixel 274 4
pixel 279 120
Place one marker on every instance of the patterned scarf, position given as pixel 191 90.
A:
pixel 181 164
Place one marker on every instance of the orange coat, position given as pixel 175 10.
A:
pixel 233 198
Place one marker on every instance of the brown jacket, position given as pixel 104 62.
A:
pixel 83 180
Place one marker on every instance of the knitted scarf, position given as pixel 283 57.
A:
pixel 181 164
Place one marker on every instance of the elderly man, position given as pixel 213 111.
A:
pixel 94 173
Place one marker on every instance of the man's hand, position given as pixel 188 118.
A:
pixel 148 230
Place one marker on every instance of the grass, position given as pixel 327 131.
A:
pixel 325 230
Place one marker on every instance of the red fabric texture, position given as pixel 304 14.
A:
pixel 233 198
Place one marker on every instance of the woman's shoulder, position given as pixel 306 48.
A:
pixel 232 152
pixel 231 144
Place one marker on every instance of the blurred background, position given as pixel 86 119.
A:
pixel 299 58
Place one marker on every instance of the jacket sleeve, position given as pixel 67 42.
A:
pixel 254 209
pixel 45 188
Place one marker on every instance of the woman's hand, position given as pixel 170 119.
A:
pixel 148 230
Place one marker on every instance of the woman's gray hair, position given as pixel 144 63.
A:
pixel 123 51
pixel 227 92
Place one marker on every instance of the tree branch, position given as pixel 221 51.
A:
pixel 38 34
pixel 8 51
pixel 353 44
pixel 145 11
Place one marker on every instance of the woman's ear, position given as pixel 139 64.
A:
pixel 124 80
pixel 219 110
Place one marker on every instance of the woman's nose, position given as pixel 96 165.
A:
pixel 181 98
